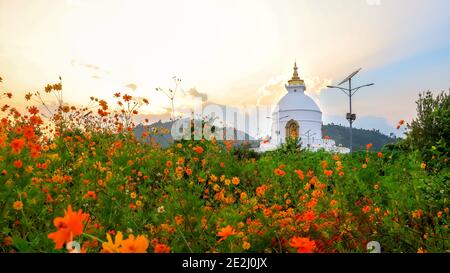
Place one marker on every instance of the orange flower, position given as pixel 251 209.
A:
pixel 261 190
pixel 90 194
pixel 401 122
pixel 17 145
pixel 235 181
pixel 110 246
pixel 162 248
pixel 300 174
pixel 423 166
pixel 303 244
pixel 225 232
pixel 18 205
pixel 18 164
pixel 364 165
pixel 368 146
pixel 366 209
pixel 126 98
pixel 380 154
pixel 198 149
pixel 134 245
pixel 169 164
pixel 279 172
pixel 69 226
pixel 327 173
pixel 179 219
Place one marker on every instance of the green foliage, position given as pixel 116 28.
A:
pixel 429 132
pixel 340 134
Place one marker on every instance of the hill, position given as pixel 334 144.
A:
pixel 337 132
pixel 361 137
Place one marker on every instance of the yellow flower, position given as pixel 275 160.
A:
pixel 29 169
pixel 213 178
pixel 110 246
pixel 18 205
pixel 227 182
pixel 138 203
pixel 134 245
pixel 133 195
pixel 423 166
pixel 216 187
pixel 421 250
pixel 235 181
pixel 246 245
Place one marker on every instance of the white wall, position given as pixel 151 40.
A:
pixel 307 119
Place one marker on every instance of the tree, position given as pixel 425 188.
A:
pixel 429 132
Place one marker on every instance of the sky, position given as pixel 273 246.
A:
pixel 233 52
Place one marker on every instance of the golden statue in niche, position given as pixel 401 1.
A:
pixel 292 129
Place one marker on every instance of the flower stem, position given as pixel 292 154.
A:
pixel 93 237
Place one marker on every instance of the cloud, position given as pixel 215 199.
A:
pixel 316 84
pixel 271 92
pixel 132 86
pixel 95 70
pixel 193 92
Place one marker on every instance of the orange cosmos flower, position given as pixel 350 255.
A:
pixel 69 226
pixel 279 172
pixel 401 122
pixel 134 245
pixel 198 149
pixel 261 190
pixel 380 154
pixel 225 232
pixel 303 244
pixel 366 209
pixel 18 164
pixel 17 145
pixel 162 248
pixel 235 181
pixel 127 97
pixel 110 246
pixel 90 194
pixel 368 146
pixel 300 174
pixel 18 205
pixel 327 173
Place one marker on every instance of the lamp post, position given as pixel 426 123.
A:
pixel 351 117
pixel 308 135
pixel 278 126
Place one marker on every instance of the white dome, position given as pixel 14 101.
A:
pixel 297 100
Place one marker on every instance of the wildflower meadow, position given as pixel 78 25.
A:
pixel 71 174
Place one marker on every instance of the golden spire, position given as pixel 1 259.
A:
pixel 295 78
